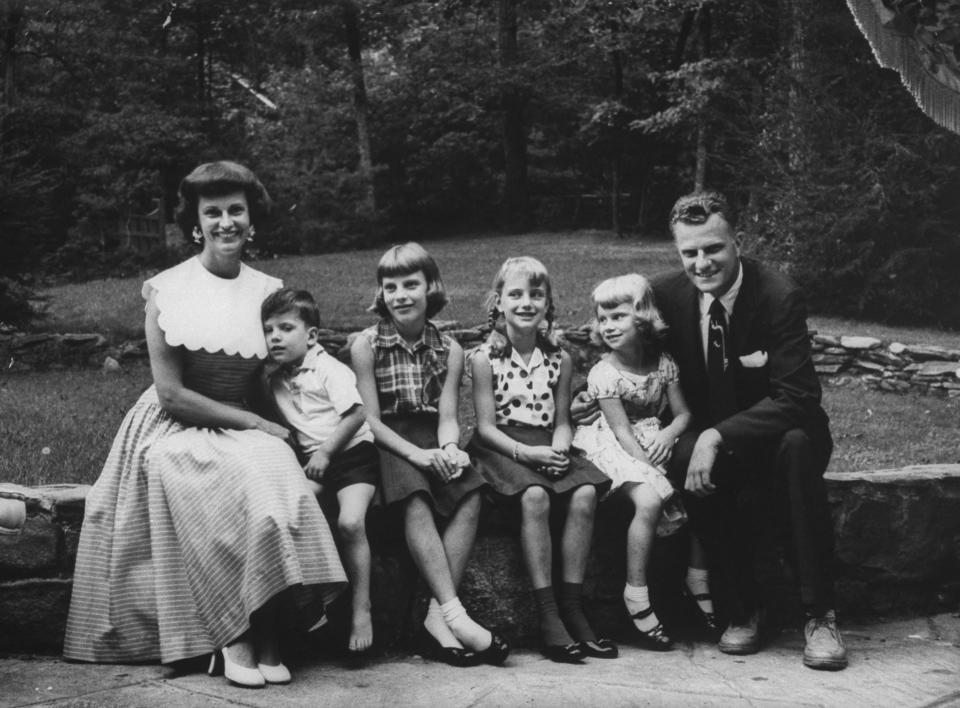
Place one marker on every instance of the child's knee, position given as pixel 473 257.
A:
pixel 535 500
pixel 584 499
pixel 352 527
pixel 646 502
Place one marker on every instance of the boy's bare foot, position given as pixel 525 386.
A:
pixel 361 631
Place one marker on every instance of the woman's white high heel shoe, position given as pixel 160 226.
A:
pixel 236 674
pixel 275 674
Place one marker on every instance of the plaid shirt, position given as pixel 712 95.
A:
pixel 409 377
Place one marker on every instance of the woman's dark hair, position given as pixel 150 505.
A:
pixel 218 179
pixel 299 302
pixel 404 259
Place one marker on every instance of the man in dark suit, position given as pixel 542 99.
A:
pixel 758 426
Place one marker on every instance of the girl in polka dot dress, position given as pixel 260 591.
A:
pixel 521 390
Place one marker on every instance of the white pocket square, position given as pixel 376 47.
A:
pixel 754 361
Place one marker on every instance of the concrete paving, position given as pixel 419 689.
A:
pixel 908 662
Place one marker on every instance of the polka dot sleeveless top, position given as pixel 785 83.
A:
pixel 523 393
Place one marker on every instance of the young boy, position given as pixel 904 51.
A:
pixel 317 396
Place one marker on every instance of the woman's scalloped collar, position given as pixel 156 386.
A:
pixel 199 310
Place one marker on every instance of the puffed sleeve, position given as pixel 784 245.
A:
pixel 602 381
pixel 669 371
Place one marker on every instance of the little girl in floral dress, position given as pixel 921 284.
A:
pixel 636 385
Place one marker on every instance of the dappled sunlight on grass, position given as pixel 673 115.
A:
pixel 874 430
pixel 344 283
pixel 57 426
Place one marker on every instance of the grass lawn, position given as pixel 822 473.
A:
pixel 57 426
pixel 343 284
pixel 66 420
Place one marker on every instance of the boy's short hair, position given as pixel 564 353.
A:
pixel 299 302
pixel 404 259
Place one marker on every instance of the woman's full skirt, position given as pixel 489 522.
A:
pixel 187 532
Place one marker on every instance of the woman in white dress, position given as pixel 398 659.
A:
pixel 201 524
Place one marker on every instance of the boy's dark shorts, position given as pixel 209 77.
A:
pixel 359 464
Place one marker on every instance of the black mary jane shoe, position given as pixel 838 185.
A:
pixel 656 638
pixel 429 648
pixel 496 653
pixel 600 649
pixel 709 619
pixel 564 653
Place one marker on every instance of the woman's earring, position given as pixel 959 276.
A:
pixel 197 235
pixel 251 232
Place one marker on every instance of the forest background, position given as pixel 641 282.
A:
pixel 381 120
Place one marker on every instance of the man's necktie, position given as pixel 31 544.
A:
pixel 723 401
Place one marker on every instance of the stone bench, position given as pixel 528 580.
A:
pixel 898 551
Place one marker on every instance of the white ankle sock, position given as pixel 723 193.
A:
pixel 637 599
pixel 437 626
pixel 470 634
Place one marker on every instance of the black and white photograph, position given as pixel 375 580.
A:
pixel 479 353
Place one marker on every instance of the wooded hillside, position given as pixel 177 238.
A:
pixel 374 120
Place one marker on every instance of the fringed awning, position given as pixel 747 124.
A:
pixel 921 40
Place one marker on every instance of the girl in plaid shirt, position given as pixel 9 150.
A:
pixel 408 375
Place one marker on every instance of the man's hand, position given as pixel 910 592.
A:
pixel 583 409
pixel 317 465
pixel 701 463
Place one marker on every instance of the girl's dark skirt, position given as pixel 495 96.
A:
pixel 509 478
pixel 400 480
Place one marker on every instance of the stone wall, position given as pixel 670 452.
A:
pixel 893 367
pixel 898 550
pixel 885 366
pixel 39 531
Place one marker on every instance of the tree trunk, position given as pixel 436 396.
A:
pixel 615 196
pixel 796 42
pixel 14 17
pixel 513 97
pixel 700 173
pixel 351 25
pixel 700 170
pixel 615 163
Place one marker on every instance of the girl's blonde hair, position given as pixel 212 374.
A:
pixel 634 289
pixel 536 274
pixel 404 259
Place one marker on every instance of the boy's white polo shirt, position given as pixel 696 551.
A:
pixel 314 396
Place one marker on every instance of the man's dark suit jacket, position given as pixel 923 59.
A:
pixel 769 316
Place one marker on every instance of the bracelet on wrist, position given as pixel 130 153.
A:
pixel 444 446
